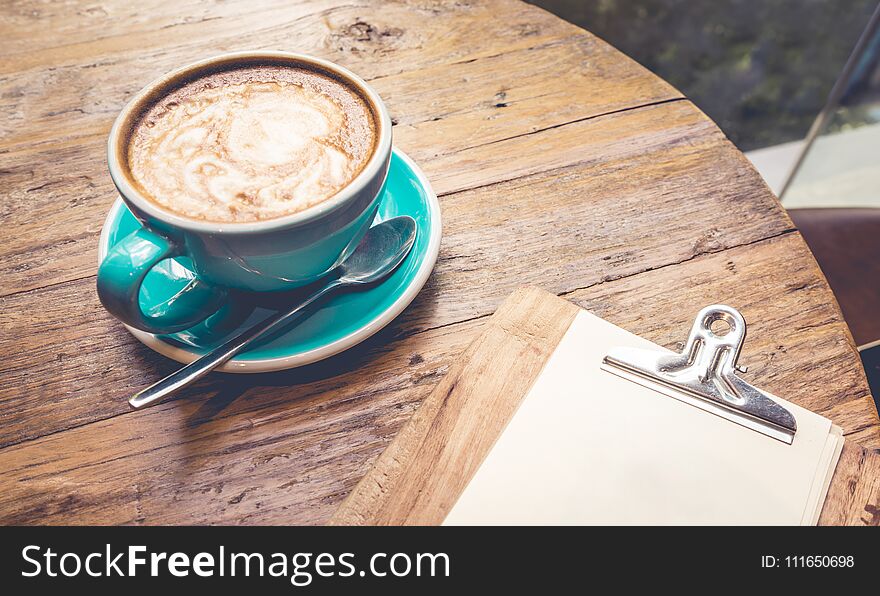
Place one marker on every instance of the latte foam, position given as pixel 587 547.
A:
pixel 251 144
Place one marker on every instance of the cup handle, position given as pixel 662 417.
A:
pixel 122 272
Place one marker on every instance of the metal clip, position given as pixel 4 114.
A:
pixel 704 375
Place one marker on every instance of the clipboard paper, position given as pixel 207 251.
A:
pixel 589 447
pixel 449 460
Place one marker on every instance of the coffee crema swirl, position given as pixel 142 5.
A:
pixel 251 144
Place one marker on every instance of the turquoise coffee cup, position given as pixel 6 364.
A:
pixel 265 256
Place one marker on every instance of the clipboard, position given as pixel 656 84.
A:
pixel 421 475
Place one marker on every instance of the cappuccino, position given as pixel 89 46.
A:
pixel 251 143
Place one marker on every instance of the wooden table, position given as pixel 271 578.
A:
pixel 559 162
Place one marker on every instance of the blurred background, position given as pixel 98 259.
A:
pixel 795 84
pixel 761 70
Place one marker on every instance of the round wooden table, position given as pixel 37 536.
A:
pixel 559 162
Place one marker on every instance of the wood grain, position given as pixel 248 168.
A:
pixel 854 494
pixel 422 473
pixel 297 442
pixel 429 463
pixel 560 163
pixel 378 38
pixel 75 90
pixel 594 229
pixel 70 172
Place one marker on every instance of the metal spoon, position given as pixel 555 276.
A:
pixel 382 249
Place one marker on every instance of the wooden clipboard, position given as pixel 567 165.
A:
pixel 419 477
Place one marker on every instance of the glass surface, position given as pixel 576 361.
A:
pixel 841 167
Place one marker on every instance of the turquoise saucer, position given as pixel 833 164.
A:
pixel 340 323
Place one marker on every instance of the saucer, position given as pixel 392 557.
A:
pixel 341 322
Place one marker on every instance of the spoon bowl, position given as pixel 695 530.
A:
pixel 382 249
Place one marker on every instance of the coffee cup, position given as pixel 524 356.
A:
pixel 265 169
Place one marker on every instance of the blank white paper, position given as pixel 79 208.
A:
pixel 589 447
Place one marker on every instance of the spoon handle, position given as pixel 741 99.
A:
pixel 194 371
